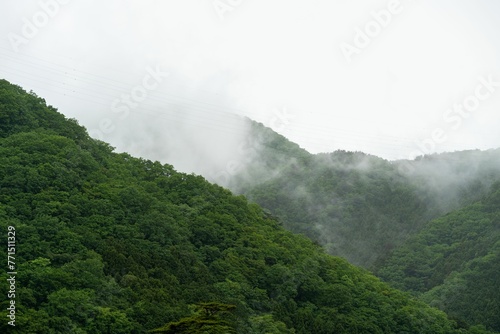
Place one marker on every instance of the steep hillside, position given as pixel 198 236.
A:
pixel 359 206
pixel 267 155
pixel 450 181
pixel 453 263
pixel 362 208
pixel 108 243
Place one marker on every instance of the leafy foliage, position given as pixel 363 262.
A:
pixel 108 243
pixel 357 206
pixel 453 263
pixel 375 213
pixel 207 319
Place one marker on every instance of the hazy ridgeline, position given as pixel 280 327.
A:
pixel 357 205
pixel 383 215
pixel 107 242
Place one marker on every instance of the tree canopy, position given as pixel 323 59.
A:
pixel 109 243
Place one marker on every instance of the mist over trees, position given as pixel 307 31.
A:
pixel 379 214
pixel 110 243
pixel 453 262
pixel 356 205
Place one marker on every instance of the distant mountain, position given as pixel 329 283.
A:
pixel 267 155
pixel 109 243
pixel 356 205
pixel 454 262
pixel 452 180
pixel 379 214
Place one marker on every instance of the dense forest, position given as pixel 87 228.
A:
pixel 379 215
pixel 356 205
pixel 453 262
pixel 109 243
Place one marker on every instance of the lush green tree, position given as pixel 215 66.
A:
pixel 208 318
pixel 109 243
pixel 453 263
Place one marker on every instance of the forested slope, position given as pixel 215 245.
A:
pixel 376 214
pixel 356 205
pixel 450 181
pixel 454 262
pixel 108 243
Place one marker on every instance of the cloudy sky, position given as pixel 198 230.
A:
pixel 162 79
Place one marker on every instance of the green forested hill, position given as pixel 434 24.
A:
pixel 454 262
pixel 362 208
pixel 108 243
pixel 267 155
pixel 356 205
pixel 449 181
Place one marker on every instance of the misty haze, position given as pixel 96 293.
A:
pixel 233 166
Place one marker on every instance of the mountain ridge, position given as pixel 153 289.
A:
pixel 432 186
pixel 112 243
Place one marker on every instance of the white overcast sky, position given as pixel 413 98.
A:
pixel 279 62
